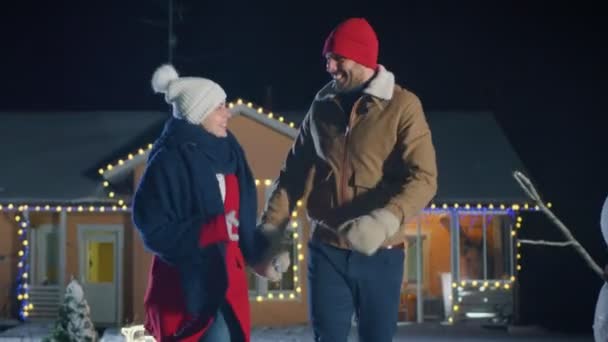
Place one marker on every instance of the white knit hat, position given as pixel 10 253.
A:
pixel 193 98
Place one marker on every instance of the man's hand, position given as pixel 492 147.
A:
pixel 367 233
pixel 275 267
pixel 276 260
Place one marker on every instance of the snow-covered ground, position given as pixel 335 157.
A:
pixel 26 332
pixel 427 333
pixel 34 332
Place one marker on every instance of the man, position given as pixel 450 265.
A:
pixel 366 163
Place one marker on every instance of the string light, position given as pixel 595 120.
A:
pixel 125 161
pixel 515 207
pixel 300 257
pixel 59 209
pixel 23 266
pixel 260 110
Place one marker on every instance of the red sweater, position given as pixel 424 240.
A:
pixel 164 303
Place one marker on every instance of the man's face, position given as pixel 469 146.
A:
pixel 347 74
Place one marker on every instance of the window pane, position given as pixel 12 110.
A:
pixel 495 242
pixel 100 257
pixel 498 247
pixel 471 246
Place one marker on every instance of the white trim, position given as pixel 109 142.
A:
pixel 63 228
pixel 111 228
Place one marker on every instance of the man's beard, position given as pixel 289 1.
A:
pixel 349 87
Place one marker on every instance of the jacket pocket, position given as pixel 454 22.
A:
pixel 363 183
pixel 369 193
pixel 323 193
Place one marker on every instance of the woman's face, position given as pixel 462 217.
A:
pixel 216 122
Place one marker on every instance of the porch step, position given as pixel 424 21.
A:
pixel 46 301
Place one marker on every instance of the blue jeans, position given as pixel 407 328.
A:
pixel 225 327
pixel 343 282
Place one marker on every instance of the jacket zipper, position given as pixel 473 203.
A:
pixel 343 175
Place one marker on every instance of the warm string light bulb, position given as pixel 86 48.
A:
pixel 22 278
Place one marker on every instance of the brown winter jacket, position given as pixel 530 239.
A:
pixel 382 157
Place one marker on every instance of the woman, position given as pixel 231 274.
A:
pixel 195 209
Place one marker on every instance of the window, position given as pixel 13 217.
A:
pixel 485 246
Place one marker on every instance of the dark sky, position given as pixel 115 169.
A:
pixel 538 65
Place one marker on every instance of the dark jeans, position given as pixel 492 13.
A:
pixel 225 327
pixel 343 282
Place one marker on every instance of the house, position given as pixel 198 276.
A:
pixel 64 212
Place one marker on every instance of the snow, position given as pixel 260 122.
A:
pixel 600 324
pixel 427 332
pixel 30 332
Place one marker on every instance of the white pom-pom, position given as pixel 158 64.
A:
pixel 162 77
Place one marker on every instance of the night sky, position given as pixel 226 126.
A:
pixel 539 66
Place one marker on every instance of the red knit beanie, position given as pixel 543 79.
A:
pixel 354 39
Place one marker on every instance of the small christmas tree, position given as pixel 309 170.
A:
pixel 74 322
